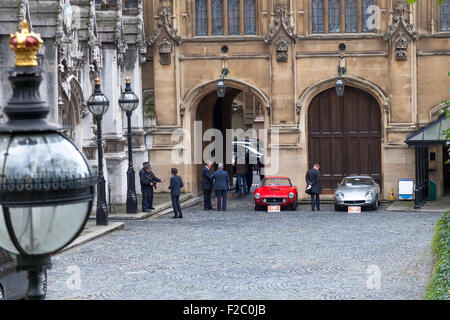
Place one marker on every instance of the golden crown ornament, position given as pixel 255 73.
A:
pixel 25 45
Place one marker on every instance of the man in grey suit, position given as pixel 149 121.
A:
pixel 176 183
pixel 222 185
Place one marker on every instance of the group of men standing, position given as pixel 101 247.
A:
pixel 148 185
pixel 221 182
pixel 244 177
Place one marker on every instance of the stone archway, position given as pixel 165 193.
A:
pixel 71 108
pixel 309 93
pixel 201 104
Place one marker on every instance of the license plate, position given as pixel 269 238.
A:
pixel 354 209
pixel 274 208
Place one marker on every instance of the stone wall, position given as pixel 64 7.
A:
pixel 403 65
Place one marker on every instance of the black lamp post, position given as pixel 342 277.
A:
pixel 46 183
pixel 221 87
pixel 129 102
pixel 98 105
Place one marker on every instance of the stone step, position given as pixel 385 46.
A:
pixel 186 204
pixel 142 215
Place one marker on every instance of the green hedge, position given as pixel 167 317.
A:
pixel 439 286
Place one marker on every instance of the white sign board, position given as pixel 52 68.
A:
pixel 405 189
pixel 354 209
pixel 274 209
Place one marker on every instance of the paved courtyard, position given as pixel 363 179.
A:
pixel 242 254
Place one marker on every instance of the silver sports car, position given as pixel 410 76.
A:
pixel 357 191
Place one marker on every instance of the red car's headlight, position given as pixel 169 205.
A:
pixel 257 196
pixel 291 195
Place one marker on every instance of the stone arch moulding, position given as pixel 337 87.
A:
pixel 309 93
pixel 194 96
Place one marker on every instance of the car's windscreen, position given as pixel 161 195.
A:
pixel 277 182
pixel 357 182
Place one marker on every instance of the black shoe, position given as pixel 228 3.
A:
pixel 146 210
pixel 151 208
pixel 174 217
pixel 180 217
pixel 313 209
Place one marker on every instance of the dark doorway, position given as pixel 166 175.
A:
pixel 344 136
pixel 446 167
pixel 215 112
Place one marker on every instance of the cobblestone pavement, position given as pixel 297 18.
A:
pixel 242 254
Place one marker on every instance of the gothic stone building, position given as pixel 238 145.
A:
pixel 283 59
pixel 84 39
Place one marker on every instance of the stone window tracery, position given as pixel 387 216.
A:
pixel 233 17
pixel 334 16
pixel 365 15
pixel 225 17
pixel 318 15
pixel 341 16
pixel 217 17
pixel 249 17
pixel 444 16
pixel 201 18
pixel 351 16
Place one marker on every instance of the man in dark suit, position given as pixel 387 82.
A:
pixel 176 183
pixel 249 175
pixel 313 180
pixel 207 184
pixel 148 182
pixel 222 185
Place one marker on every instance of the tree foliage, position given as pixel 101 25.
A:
pixel 412 1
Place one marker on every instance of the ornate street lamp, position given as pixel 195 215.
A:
pixel 221 87
pixel 98 105
pixel 46 183
pixel 129 102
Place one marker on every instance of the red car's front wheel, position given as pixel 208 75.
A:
pixel 294 204
pixel 258 207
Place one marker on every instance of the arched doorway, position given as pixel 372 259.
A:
pixel 344 136
pixel 239 109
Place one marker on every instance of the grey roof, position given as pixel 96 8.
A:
pixel 430 134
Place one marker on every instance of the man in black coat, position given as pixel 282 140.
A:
pixel 207 185
pixel 313 180
pixel 249 175
pixel 148 182
pixel 176 183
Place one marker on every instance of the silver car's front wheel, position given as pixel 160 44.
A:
pixel 376 204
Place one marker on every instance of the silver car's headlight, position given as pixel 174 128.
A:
pixel 291 195
pixel 369 195
pixel 257 196
pixel 339 195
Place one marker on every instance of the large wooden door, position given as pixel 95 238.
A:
pixel 344 136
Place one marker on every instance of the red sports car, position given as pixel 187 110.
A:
pixel 276 191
